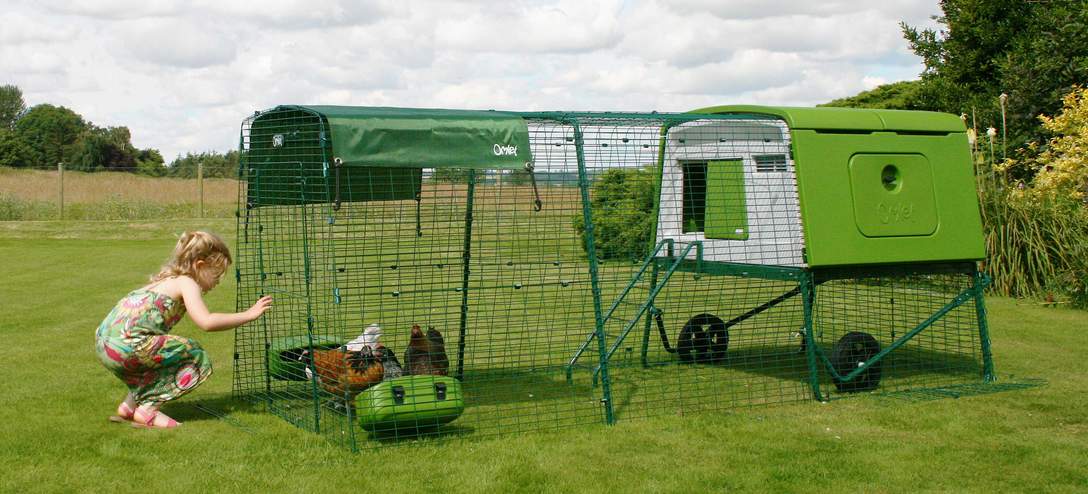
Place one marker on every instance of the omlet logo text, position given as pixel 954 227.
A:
pixel 501 150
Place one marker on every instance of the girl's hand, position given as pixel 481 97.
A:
pixel 259 308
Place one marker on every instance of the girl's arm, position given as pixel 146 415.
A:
pixel 213 321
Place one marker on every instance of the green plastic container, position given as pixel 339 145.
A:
pixel 409 403
pixel 283 363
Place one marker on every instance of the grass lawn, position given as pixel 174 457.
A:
pixel 60 279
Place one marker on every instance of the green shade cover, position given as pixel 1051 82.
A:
pixel 298 154
pixel 426 138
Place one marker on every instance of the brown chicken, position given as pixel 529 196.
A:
pixel 426 354
pixel 346 374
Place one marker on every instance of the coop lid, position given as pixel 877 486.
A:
pixel 426 138
pixel 850 119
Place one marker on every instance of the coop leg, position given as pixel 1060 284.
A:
pixel 808 293
pixel 656 313
pixel 979 281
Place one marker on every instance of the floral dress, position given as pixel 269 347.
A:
pixel 132 342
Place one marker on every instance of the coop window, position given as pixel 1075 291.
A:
pixel 714 199
pixel 694 215
pixel 771 163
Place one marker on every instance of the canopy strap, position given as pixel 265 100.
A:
pixel 537 204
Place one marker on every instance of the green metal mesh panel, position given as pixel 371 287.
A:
pixel 889 307
pixel 572 293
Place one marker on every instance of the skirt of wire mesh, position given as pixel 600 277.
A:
pixel 879 311
pixel 715 342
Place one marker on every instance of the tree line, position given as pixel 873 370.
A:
pixel 46 135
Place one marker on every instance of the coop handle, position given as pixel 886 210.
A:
pixel 537 204
pixel 336 164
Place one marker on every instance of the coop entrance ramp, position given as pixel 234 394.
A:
pixel 641 306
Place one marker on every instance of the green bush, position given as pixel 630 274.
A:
pixel 622 202
pixel 1036 247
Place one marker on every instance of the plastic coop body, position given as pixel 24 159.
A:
pixel 810 187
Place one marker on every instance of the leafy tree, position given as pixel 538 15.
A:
pixel 149 162
pixel 11 106
pixel 900 95
pixel 1032 51
pixel 622 201
pixel 215 165
pixel 1040 70
pixel 13 151
pixel 108 148
pixel 50 133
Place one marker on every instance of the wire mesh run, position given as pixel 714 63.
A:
pixel 857 318
pixel 642 264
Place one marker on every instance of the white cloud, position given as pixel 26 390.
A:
pixel 569 26
pixel 114 9
pixel 183 75
pixel 185 43
pixel 22 28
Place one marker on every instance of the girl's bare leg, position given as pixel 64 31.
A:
pixel 127 407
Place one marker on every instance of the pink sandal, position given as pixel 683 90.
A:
pixel 125 413
pixel 149 423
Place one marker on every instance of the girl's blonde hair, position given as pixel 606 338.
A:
pixel 193 247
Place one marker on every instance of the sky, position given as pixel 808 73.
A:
pixel 182 75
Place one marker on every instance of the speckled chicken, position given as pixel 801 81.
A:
pixel 347 373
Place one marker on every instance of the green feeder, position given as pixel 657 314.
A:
pixel 283 355
pixel 410 403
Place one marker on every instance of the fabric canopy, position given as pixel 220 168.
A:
pixel 426 138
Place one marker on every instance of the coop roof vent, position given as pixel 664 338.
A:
pixel 771 163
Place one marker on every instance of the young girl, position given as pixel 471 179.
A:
pixel 132 342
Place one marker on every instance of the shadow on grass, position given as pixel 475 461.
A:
pixel 965 390
pixel 215 407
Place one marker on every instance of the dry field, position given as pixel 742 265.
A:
pixel 35 195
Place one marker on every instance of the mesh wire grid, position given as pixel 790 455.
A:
pixel 664 275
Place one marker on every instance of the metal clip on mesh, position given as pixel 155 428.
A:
pixel 419 226
pixel 337 163
pixel 537 204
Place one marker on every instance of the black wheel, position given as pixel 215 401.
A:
pixel 703 339
pixel 849 353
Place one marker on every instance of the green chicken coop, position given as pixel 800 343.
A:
pixel 593 267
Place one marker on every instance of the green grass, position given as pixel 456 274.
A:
pixel 60 279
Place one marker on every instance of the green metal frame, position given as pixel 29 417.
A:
pixel 591 253
pixel 466 256
pixel 648 304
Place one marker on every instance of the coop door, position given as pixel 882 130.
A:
pixel 726 210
